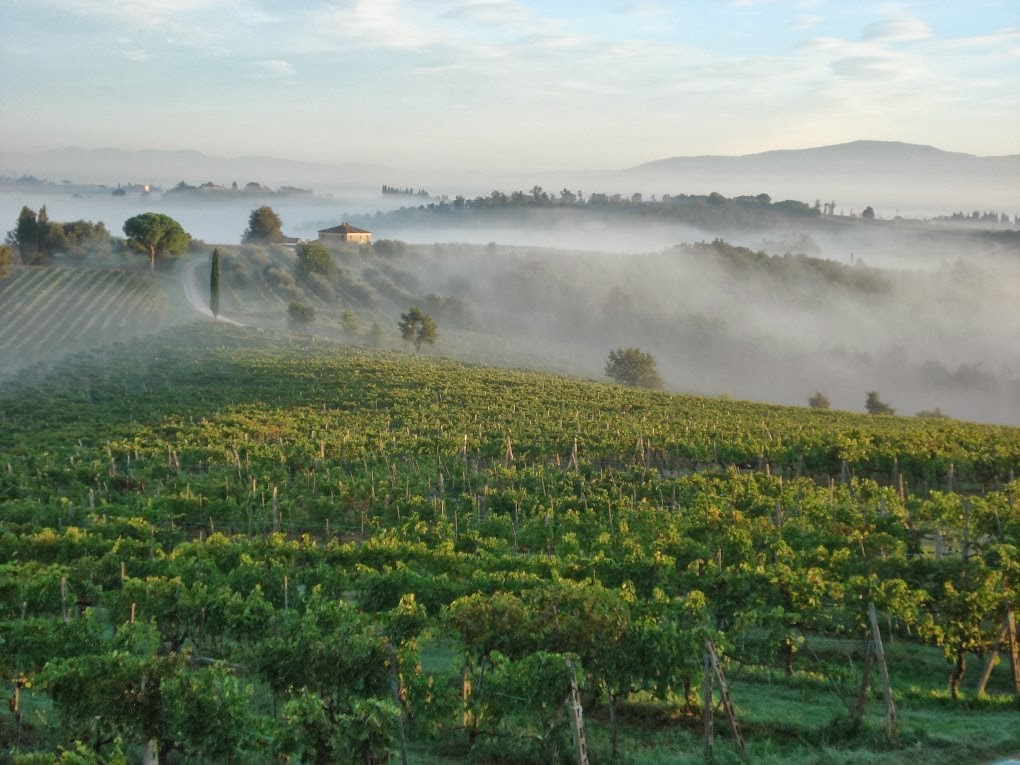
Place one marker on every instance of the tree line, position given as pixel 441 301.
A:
pixel 713 207
pixel 37 240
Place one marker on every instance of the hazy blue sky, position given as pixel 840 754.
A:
pixel 507 84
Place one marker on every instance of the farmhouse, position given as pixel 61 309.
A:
pixel 343 234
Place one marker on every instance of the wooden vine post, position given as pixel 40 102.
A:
pixel 1006 632
pixel 575 462
pixel 576 717
pixel 706 705
pixel 883 670
pixel 712 663
pixel 1014 653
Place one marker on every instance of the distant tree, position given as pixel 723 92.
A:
pixel 933 414
pixel 83 237
pixel 25 236
pixel 868 212
pixel 214 284
pixel 349 322
pixel 156 234
pixel 314 258
pixel 38 239
pixel 818 401
pixel 264 227
pixel 417 328
pixel 875 405
pixel 5 260
pixel 376 334
pixel 389 247
pixel 51 236
pixel 632 366
pixel 299 314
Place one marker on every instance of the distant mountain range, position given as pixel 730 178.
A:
pixel 856 157
pixel 890 176
pixel 167 168
pixel 879 173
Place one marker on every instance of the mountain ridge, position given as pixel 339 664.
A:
pixel 860 150
pixel 898 176
pixel 166 167
pixel 912 179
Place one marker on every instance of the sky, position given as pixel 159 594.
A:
pixel 507 84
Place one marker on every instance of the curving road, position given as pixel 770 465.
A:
pixel 197 290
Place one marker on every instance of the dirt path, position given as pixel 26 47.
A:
pixel 197 292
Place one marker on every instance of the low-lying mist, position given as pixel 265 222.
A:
pixel 929 332
pixel 923 313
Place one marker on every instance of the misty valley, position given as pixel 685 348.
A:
pixel 526 477
pixel 742 297
pixel 509 382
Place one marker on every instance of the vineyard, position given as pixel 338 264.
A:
pixel 49 311
pixel 223 545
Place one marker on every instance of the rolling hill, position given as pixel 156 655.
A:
pixel 51 311
pixel 885 174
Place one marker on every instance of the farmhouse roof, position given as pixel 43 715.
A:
pixel 344 228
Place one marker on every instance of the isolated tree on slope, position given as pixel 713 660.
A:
pixel 315 258
pixel 214 284
pixel 818 401
pixel 632 366
pixel 349 322
pixel 25 235
pixel 264 227
pixel 875 405
pixel 299 315
pixel 417 328
pixel 157 234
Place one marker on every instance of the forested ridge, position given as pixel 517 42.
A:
pixel 225 544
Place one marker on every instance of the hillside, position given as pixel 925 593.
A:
pixel 166 168
pixel 772 324
pixel 278 546
pixel 888 175
pixel 858 156
pixel 51 311
pixel 891 176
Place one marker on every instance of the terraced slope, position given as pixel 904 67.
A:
pixel 50 311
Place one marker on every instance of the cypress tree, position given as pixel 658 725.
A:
pixel 214 284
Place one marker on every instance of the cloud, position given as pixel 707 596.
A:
pixel 643 10
pixel 386 23
pixel 903 29
pixel 497 12
pixel 143 13
pixel 139 56
pixel 1008 38
pixel 276 67
pixel 806 21
pixel 860 67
